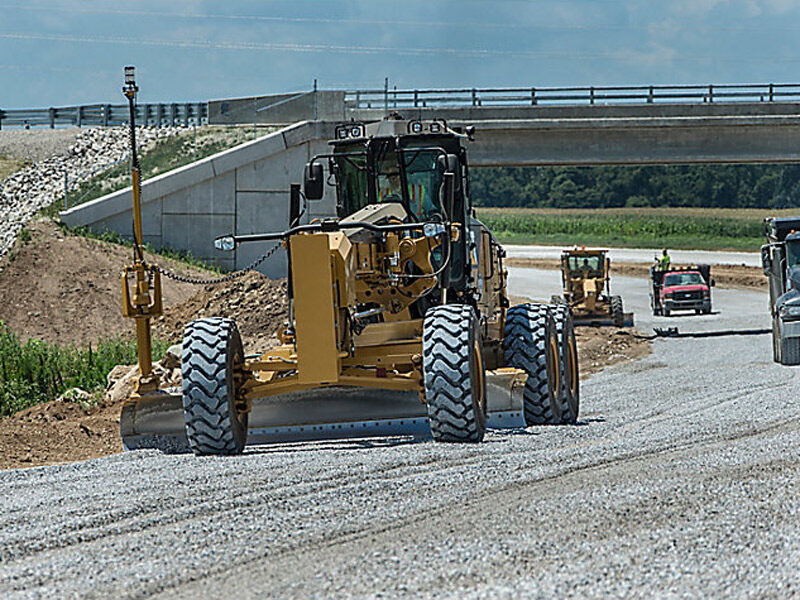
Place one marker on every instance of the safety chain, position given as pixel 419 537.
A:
pixel 229 277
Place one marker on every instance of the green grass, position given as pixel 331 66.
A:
pixel 37 371
pixel 671 228
pixel 10 165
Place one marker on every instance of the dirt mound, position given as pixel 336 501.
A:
pixel 256 302
pixel 66 289
pixel 600 347
pixel 734 276
pixel 64 431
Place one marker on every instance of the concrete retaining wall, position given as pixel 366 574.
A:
pixel 242 190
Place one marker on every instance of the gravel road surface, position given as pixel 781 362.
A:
pixel 750 259
pixel 682 479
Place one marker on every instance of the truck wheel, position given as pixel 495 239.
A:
pixel 212 351
pixel 530 344
pixel 454 374
pixel 617 313
pixel 665 312
pixel 790 351
pixel 569 395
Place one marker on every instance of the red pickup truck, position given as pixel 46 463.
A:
pixel 681 288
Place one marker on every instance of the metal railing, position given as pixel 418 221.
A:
pixel 93 115
pixel 196 113
pixel 475 97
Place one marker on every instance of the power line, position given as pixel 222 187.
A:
pixel 619 56
pixel 681 27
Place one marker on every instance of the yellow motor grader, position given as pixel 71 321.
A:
pixel 399 318
pixel 586 289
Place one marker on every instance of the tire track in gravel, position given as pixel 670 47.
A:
pixel 440 519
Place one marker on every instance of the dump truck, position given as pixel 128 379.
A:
pixel 399 317
pixel 586 289
pixel 681 288
pixel 780 259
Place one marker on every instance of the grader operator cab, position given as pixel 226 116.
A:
pixel 585 282
pixel 399 318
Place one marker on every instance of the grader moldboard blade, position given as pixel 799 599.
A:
pixel 319 414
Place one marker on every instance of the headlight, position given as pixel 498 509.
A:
pixel 432 229
pixel 792 311
pixel 225 243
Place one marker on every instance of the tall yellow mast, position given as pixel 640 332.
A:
pixel 147 277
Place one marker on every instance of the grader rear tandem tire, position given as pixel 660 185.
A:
pixel 531 344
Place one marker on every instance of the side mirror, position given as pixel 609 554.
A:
pixel 449 163
pixel 712 283
pixel 766 260
pixel 313 181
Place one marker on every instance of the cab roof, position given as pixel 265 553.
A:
pixel 393 128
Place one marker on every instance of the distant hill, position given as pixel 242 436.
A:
pixel 717 186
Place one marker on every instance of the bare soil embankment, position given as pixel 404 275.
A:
pixel 66 289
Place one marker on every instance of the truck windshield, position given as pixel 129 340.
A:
pixel 792 253
pixel 683 279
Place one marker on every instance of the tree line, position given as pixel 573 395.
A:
pixel 709 186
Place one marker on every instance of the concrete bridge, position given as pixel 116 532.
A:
pixel 245 189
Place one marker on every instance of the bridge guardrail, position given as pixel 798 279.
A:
pixel 386 98
pixel 465 97
pixel 161 114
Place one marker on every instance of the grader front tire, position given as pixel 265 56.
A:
pixel 212 349
pixel 454 374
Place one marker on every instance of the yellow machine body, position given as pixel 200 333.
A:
pixel 308 387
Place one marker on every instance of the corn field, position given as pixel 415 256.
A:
pixel 646 230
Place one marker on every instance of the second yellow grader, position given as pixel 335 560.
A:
pixel 585 279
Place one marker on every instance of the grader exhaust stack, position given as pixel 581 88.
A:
pixel 399 322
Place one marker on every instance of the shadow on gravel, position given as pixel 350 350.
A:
pixel 327 445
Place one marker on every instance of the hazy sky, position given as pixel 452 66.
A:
pixel 67 52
